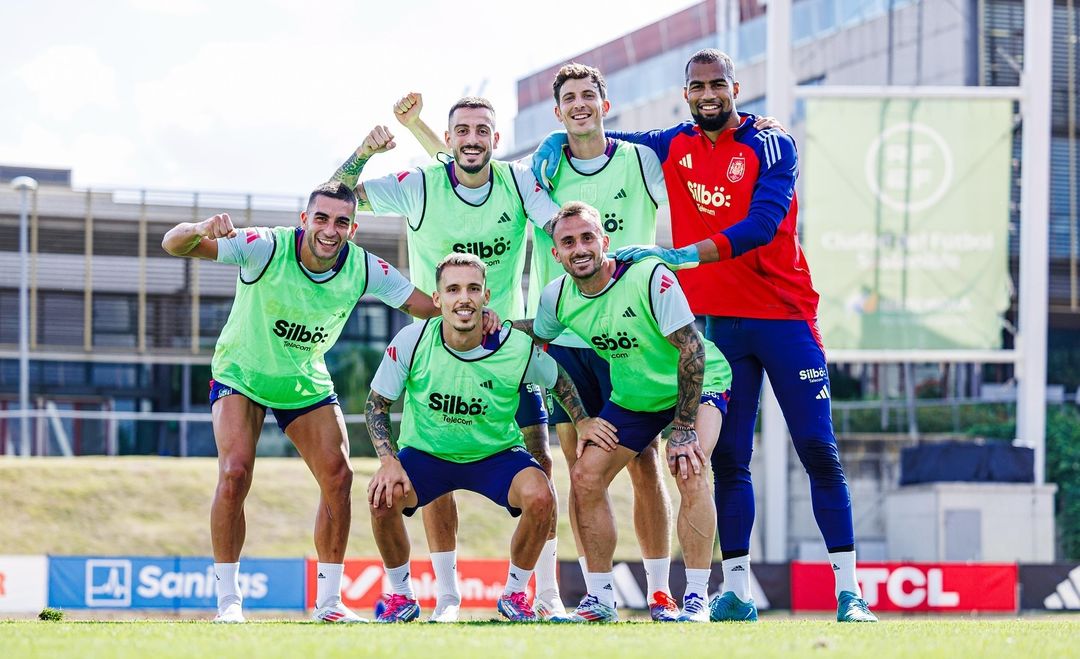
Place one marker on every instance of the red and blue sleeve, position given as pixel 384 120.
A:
pixel 771 198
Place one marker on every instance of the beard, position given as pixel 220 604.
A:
pixel 485 158
pixel 594 268
pixel 711 124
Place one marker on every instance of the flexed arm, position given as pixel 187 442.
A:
pixel 198 239
pixel 380 139
pixel 407 112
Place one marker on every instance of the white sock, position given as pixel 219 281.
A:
pixel 400 581
pixel 584 567
pixel 546 581
pixel 697 582
pixel 656 574
pixel 227 579
pixel 517 578
pixel 444 563
pixel 843 565
pixel 737 577
pixel 601 585
pixel 328 584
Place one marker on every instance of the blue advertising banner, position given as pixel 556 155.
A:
pixel 130 582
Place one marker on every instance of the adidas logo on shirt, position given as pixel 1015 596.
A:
pixel 503 218
pixel 629 313
pixel 621 194
pixel 1068 593
pixel 687 162
pixel 486 384
pixel 738 568
pixel 822 395
pixel 322 576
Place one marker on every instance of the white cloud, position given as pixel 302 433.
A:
pixel 66 79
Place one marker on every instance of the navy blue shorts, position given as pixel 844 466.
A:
pixel 530 411
pixel 492 476
pixel 219 390
pixel 636 430
pixel 591 375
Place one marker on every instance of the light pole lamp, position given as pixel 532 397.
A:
pixel 25 186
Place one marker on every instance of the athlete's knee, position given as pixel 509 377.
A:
pixel 587 482
pixel 695 485
pixel 338 482
pixel 234 478
pixel 537 499
pixel 821 460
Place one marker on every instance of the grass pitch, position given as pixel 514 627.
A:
pixel 898 637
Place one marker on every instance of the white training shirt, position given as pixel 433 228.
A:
pixel 252 248
pixel 389 380
pixel 403 193
pixel 671 310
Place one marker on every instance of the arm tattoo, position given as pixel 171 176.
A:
pixel 349 172
pixel 568 395
pixel 536 441
pixel 691 373
pixel 377 414
pixel 526 325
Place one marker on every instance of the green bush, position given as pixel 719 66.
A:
pixel 1063 468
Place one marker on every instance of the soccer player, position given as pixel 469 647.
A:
pixel 625 183
pixel 295 291
pixel 734 211
pixel 458 432
pixel 662 371
pixel 480 206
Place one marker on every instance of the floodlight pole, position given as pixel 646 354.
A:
pixel 25 186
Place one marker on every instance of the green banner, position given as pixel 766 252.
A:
pixel 906 210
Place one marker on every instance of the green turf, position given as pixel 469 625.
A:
pixel 1039 637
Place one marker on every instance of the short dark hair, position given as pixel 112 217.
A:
pixel 576 71
pixel 335 190
pixel 708 56
pixel 470 102
pixel 575 209
pixel 459 258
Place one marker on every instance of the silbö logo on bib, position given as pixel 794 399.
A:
pixel 489 254
pixel 299 336
pixel 456 409
pixel 617 345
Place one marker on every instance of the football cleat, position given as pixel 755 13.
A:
pixel 549 607
pixel 515 607
pixel 231 613
pixel 694 609
pixel 399 609
pixel 851 608
pixel 446 610
pixel 729 608
pixel 337 612
pixel 662 607
pixel 592 609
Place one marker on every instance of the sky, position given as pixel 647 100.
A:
pixel 266 97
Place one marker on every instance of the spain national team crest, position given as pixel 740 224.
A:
pixel 736 168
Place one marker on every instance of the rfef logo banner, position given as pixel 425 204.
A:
pixel 78 582
pixel 23 583
pixel 481 583
pixel 940 587
pixel 906 208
